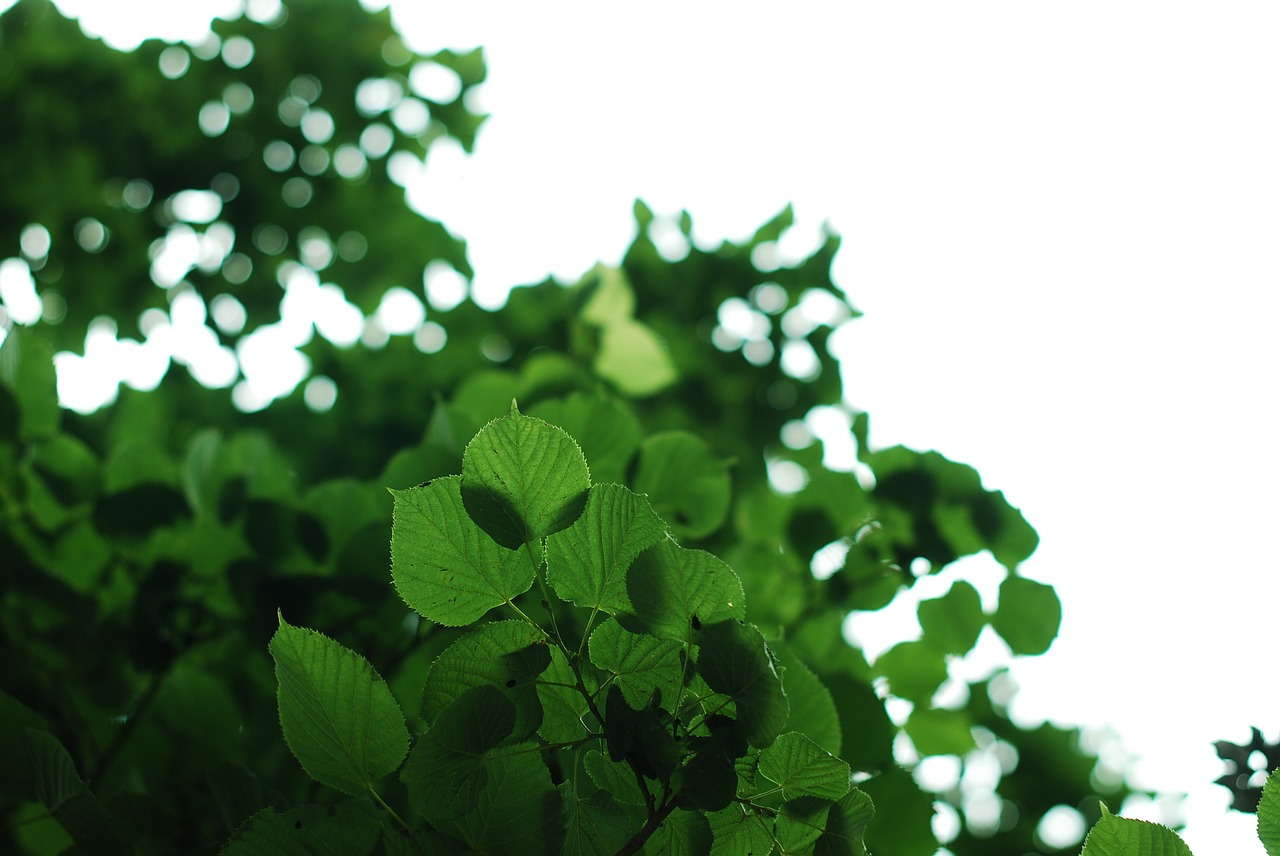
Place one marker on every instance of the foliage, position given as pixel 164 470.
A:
pixel 1247 761
pixel 675 675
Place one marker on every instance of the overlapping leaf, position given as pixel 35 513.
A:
pixel 338 715
pixel 733 659
pixel 674 591
pixel 639 663
pixel 802 768
pixel 587 563
pixel 442 564
pixel 523 479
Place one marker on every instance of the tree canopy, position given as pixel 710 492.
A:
pixel 211 599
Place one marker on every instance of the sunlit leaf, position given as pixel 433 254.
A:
pixel 523 479
pixel 685 483
pixel 442 564
pixel 674 591
pixel 338 715
pixel 587 563
pixel 639 663
pixel 1120 836
pixel 1269 815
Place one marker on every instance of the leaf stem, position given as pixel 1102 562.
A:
pixel 397 818
pixel 650 826
pixel 122 736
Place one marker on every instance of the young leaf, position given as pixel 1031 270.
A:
pixel 338 715
pixel 734 660
pixel 1028 615
pixel 523 479
pixel 449 767
pixel 509 655
pixel 674 591
pixel 803 768
pixel 639 663
pixel 1269 815
pixel 587 563
pixel 442 564
pixel 1119 836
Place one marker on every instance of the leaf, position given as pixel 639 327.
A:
pixel 564 710
pixel 685 483
pixel 674 590
pixel 62 791
pixel 509 655
pixel 442 564
pixel 309 830
pixel 338 715
pixel 26 369
pixel 683 833
pixel 594 825
pixel 615 777
pixel 905 827
pixel 803 768
pixel 449 766
pixel 951 623
pixel 587 563
pixel 1269 815
pixel 939 731
pixel 800 823
pixel 813 710
pixel 519 811
pixel 523 479
pixel 638 662
pixel 634 359
pixel 846 825
pixel 605 428
pixel 739 831
pixel 1028 615
pixel 734 660
pixel 915 670
pixel 1119 836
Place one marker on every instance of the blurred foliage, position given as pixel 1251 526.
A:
pixel 148 545
pixel 1249 764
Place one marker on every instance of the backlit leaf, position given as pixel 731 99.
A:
pixel 734 660
pixel 338 715
pixel 846 825
pixel 739 831
pixel 1269 815
pixel 803 768
pixel 687 486
pixel 594 825
pixel 1028 616
pixel 587 563
pixel 519 811
pixel 1120 836
pixel 674 591
pixel 639 663
pixel 952 622
pixel 523 479
pixel 442 564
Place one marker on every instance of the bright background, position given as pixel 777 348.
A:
pixel 1063 225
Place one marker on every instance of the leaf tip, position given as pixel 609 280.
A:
pixel 515 409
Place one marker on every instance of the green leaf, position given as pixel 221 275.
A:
pixel 915 670
pixel 1028 616
pixel 685 483
pixel 905 826
pixel 605 428
pixel 338 715
pixel 442 564
pixel 509 655
pixel 813 710
pixel 634 359
pixel 519 811
pixel 1269 815
pixel 674 590
pixel 450 764
pixel 800 823
pixel 739 831
pixel 639 663
pixel 587 563
pixel 938 731
pixel 683 833
pixel 846 826
pixel 564 710
pixel 594 825
pixel 1119 836
pixel 309 830
pixel 733 659
pixel 62 791
pixel 616 777
pixel 803 768
pixel 523 479
pixel 951 623
pixel 26 369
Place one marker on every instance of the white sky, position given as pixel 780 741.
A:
pixel 1061 222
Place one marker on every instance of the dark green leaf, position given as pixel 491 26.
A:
pixel 803 768
pixel 639 663
pixel 1028 616
pixel 685 483
pixel 734 660
pixel 951 623
pixel 674 591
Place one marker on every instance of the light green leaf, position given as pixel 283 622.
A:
pixel 634 358
pixel 338 715
pixel 1119 836
pixel 1028 615
pixel 509 655
pixel 1269 815
pixel 587 563
pixel 846 825
pixel 519 811
pixel 951 623
pixel 734 660
pixel 915 669
pixel 523 479
pixel 639 663
pixel 595 825
pixel 803 768
pixel 739 831
pixel 450 764
pixel 674 590
pixel 938 731
pixel 813 710
pixel 687 486
pixel 442 564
